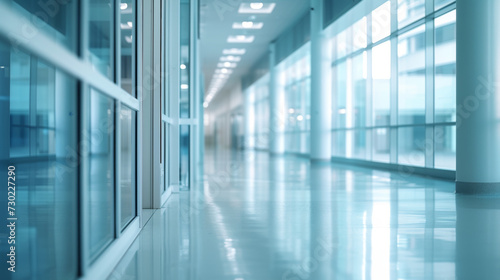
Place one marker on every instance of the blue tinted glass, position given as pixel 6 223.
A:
pixel 38 117
pixel 127 165
pixel 101 34
pixel 101 168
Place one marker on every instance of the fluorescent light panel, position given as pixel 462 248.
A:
pixel 240 39
pixel 227 64
pixel 252 8
pixel 234 51
pixel 248 25
pixel 230 58
pixel 223 71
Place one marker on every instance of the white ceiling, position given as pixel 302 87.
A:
pixel 217 18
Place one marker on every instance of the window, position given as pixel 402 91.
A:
pixel 381 73
pixel 127 45
pixel 438 4
pixel 381 22
pixel 127 162
pixel 101 34
pixel 40 142
pixel 411 77
pixel 404 124
pixel 410 11
pixel 101 178
pixel 54 18
pixel 411 146
pixel 445 68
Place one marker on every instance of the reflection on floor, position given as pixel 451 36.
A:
pixel 261 217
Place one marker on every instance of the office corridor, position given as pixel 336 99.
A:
pixel 262 217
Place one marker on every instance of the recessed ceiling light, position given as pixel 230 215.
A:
pixel 248 25
pixel 183 66
pixel 240 39
pixel 184 86
pixel 123 6
pixel 256 5
pixel 128 39
pixel 129 23
pixel 230 58
pixel 226 64
pixel 256 8
pixel 234 51
pixel 223 71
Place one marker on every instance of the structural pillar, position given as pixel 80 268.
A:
pixel 478 97
pixel 321 87
pixel 276 106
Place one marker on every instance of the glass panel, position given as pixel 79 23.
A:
pixel 127 165
pixel 54 18
pixel 101 36
pixel 411 145
pixel 184 155
pixel 341 43
pixel 381 22
pixel 184 97
pixel 128 46
pixel 381 145
pixel 339 140
pixel 20 70
pixel 381 73
pixel 445 68
pixel 358 143
pixel 438 4
pixel 359 34
pixel 410 11
pixel 340 95
pixel 359 74
pixel 101 168
pixel 445 147
pixel 38 117
pixel 261 115
pixel 411 79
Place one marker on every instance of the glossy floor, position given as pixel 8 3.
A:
pixel 261 217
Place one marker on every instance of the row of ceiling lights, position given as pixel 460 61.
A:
pixel 230 57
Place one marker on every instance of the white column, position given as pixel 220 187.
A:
pixel 478 97
pixel 321 87
pixel 277 107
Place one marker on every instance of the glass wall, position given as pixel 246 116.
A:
pixel 101 172
pixel 294 75
pixel 370 106
pixel 128 191
pixel 69 133
pixel 260 116
pixel 184 96
pixel 101 35
pixel 127 43
pixel 38 116
pixel 393 87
